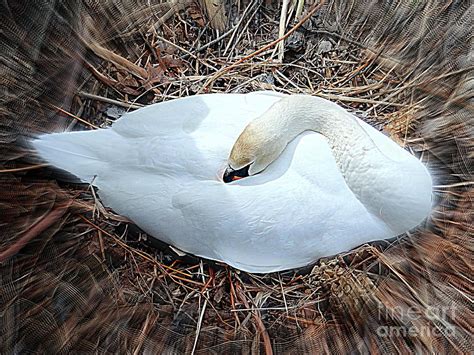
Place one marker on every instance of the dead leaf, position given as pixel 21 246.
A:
pixel 195 13
pixel 172 62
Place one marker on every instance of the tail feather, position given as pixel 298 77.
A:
pixel 79 153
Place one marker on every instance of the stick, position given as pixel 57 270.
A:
pixel 34 230
pixel 198 328
pixel 109 101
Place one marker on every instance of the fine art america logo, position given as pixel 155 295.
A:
pixel 433 321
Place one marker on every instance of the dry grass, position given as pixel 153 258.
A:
pixel 110 290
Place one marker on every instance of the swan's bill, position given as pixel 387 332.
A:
pixel 232 175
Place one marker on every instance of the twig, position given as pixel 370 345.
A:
pixel 108 100
pixel 259 323
pixel 143 333
pixel 74 116
pixel 465 183
pixel 34 230
pixel 283 293
pixel 232 297
pixel 281 30
pixel 118 60
pixel 198 328
pixel 214 41
pixel 26 168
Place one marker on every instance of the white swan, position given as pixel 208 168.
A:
pixel 322 181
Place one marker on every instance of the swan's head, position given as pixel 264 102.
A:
pixel 255 149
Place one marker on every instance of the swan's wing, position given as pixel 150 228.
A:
pixel 190 137
pixel 209 113
pixel 175 137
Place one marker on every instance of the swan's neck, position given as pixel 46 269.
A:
pixel 350 145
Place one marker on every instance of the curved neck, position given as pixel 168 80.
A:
pixel 292 115
pixel 393 185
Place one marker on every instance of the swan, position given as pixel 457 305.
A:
pixel 261 181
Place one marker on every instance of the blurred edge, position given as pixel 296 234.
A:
pixel 73 305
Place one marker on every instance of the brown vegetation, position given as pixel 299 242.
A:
pixel 76 277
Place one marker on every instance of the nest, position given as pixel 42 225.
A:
pixel 77 277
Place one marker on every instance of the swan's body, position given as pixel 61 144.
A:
pixel 161 166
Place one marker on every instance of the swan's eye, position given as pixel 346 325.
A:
pixel 232 175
